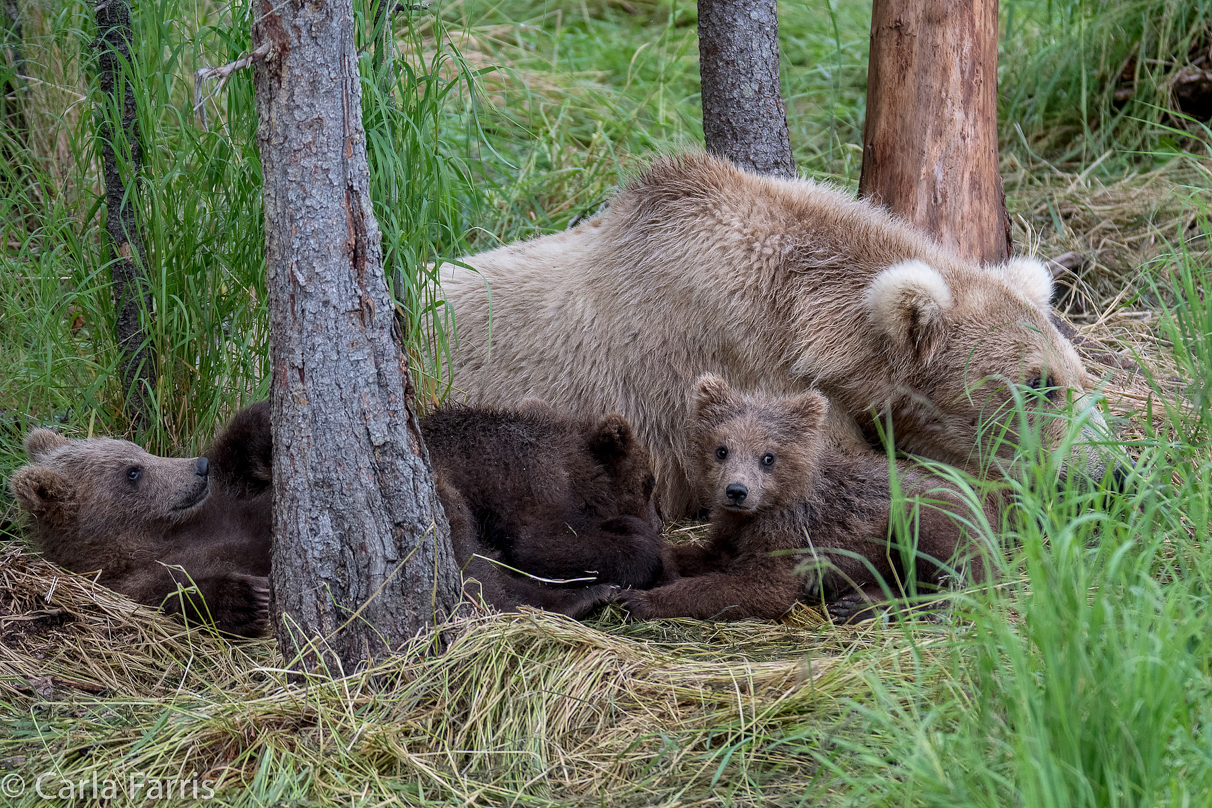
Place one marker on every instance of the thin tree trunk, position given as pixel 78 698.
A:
pixel 362 559
pixel 131 290
pixel 930 141
pixel 13 44
pixel 12 103
pixel 743 114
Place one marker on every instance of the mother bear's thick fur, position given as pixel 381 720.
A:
pixel 776 285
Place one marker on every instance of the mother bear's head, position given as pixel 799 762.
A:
pixel 978 370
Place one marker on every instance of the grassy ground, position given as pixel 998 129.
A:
pixel 1084 678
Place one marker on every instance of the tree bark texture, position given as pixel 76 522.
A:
pixel 743 115
pixel 930 140
pixel 12 89
pixel 361 554
pixel 128 271
pixel 13 44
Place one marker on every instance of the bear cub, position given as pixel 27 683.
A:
pixel 152 525
pixel 544 509
pixel 794 518
pixel 563 499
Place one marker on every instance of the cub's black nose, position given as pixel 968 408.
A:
pixel 736 493
pixel 203 467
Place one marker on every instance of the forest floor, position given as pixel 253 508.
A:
pixel 1082 678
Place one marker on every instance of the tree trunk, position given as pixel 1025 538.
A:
pixel 930 141
pixel 131 290
pixel 14 44
pixel 361 554
pixel 12 88
pixel 743 115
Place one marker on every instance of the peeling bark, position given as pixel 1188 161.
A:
pixel 930 139
pixel 362 559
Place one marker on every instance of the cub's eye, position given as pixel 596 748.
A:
pixel 768 460
pixel 134 473
pixel 721 453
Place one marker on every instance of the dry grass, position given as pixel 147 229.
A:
pixel 1130 235
pixel 526 703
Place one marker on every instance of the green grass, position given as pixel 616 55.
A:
pixel 1081 679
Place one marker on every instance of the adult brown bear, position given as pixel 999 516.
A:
pixel 776 285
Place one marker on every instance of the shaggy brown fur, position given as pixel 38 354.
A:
pixel 149 525
pixel 241 458
pixel 781 285
pixel 485 579
pixel 530 490
pixel 793 519
pixel 536 491
pixel 557 497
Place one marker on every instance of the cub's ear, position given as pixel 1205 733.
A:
pixel 713 398
pixel 611 440
pixel 807 412
pixel 41 442
pixel 1030 277
pixel 909 302
pixel 41 491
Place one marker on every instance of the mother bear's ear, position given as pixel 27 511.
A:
pixel 909 302
pixel 1029 276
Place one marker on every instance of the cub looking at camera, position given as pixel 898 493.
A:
pixel 794 519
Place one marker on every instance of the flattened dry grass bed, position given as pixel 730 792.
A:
pixel 529 707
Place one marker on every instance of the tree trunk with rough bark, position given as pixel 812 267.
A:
pixel 930 140
pixel 10 17
pixel 362 559
pixel 743 114
pixel 12 88
pixel 128 273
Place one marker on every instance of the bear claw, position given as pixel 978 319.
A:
pixel 855 607
pixel 245 611
pixel 635 604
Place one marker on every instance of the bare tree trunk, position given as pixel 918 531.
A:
pixel 930 141
pixel 12 89
pixel 131 291
pixel 10 17
pixel 361 559
pixel 743 114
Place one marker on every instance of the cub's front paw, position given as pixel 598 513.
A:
pixel 636 604
pixel 243 607
pixel 855 608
